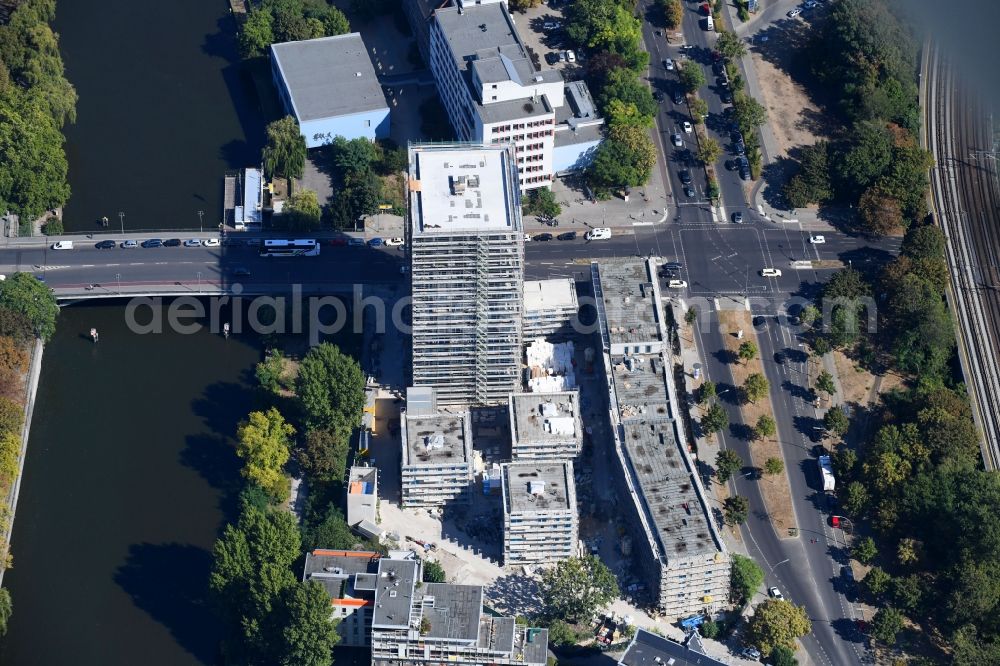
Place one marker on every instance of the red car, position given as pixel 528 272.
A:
pixel 338 242
pixel 835 521
pixel 705 9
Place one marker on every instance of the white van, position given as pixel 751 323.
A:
pixel 677 284
pixel 62 245
pixel 771 272
pixel 709 23
pixel 599 233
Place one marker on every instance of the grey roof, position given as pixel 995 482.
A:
pixel 394 593
pixel 437 439
pixel 649 649
pixel 477 27
pixel 333 568
pixel 533 644
pixel 454 613
pixel 629 301
pixel 496 634
pixel 515 109
pixel 640 386
pixel 580 100
pixel 532 413
pixel 329 76
pixel 582 134
pixel 554 492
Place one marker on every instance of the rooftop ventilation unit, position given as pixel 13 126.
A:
pixel 435 441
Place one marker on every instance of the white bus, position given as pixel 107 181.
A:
pixel 300 247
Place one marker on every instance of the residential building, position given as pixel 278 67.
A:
pixel 494 94
pixel 467 271
pixel 362 496
pixel 329 85
pixel 579 130
pixel 539 512
pixel 550 308
pixel 439 623
pixel 349 577
pixel 678 549
pixel 545 426
pixel 649 649
pixel 437 457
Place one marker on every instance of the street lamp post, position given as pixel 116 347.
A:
pixel 118 279
pixel 201 224
pixel 121 218
pixel 199 282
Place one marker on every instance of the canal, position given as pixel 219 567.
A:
pixel 129 476
pixel 164 110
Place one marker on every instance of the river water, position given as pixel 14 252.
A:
pixel 164 111
pixel 130 474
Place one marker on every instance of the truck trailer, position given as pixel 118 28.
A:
pixel 826 474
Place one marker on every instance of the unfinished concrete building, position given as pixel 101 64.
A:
pixel 678 549
pixel 437 457
pixel 438 623
pixel 550 308
pixel 545 426
pixel 467 267
pixel 539 512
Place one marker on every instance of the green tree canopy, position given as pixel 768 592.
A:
pixel 736 509
pixel 306 636
pixel 707 390
pixel 812 183
pixel 625 158
pixel 714 420
pixel 755 387
pixel 576 587
pixel 746 577
pixel 747 350
pixel 824 383
pixel 766 427
pixel 623 86
pixel 727 462
pixel 774 466
pixel 777 622
pixel 542 201
pixel 6 609
pixel 322 454
pixel 257 33
pixel 691 76
pixel 730 45
pixel 263 444
pixel 331 388
pixel 672 12
pixel 302 211
pixel 749 113
pixel 887 624
pixel 25 294
pixel 864 551
pixel 709 150
pixel 782 655
pixel 434 572
pixel 285 150
pixel 11 417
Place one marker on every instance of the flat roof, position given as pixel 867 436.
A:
pixel 640 385
pixel 394 593
pixel 582 134
pixel 538 486
pixel 496 634
pixel 546 417
pixel 437 439
pixel 454 614
pixel 333 568
pixel 329 76
pixel 549 294
pixel 649 649
pixel 628 301
pixel 457 188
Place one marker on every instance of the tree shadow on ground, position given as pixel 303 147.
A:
pixel 741 431
pixel 809 426
pixel 513 595
pixel 170 583
pixel 775 175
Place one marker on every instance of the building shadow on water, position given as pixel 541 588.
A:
pixel 170 582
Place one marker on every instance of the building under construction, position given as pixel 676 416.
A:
pixel 437 456
pixel 545 426
pixel 678 549
pixel 467 269
pixel 539 512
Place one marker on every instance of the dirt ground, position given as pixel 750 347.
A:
pixel 775 489
pixel 792 116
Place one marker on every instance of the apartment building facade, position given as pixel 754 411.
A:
pixel 540 521
pixel 467 271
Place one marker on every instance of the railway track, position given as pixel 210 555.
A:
pixel 967 201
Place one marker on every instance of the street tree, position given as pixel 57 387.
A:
pixel 625 158
pixel 727 462
pixel 710 629
pixel 576 587
pixel 812 183
pixel 29 297
pixel 876 582
pixel 691 76
pixel 541 201
pixel 322 453
pixel 783 656
pixel 766 427
pixel 774 466
pixel 561 634
pixel 331 531
pixel 714 420
pixel 864 551
pixel 880 211
pixel 747 351
pixel 302 211
pixel 10 454
pixel 285 150
pixel 755 387
pixel 750 114
pixel 673 13
pixel 745 577
pixel 626 113
pixel 730 45
pixel 304 634
pixel 777 622
pixel 824 383
pixel 699 111
pixel 709 150
pixel 836 422
pixel 331 388
pixel 886 625
pixel 736 509
pixel 433 572
pixel 263 444
pixel 706 392
pixel 691 316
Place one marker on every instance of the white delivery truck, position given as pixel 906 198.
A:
pixel 826 473
pixel 598 233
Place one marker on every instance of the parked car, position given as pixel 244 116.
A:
pixel 751 653
pixel 130 244
pixel 152 242
pixel 527 237
pixel 375 242
pixel 394 242
pixel 210 242
pixel 718 67
pixel 172 242
pixel 676 139
pixel 62 245
pixel 658 96
pixel 685 176
pixel 677 284
pixel 569 235
pixel 356 242
pixel 192 242
pixel 551 25
pixel 570 56
pixel 689 191
pixel 668 64
pixel 106 245
pixel 678 97
pixel 338 242
pixel 775 593
pixel 688 128
pixel 543 237
pixel 726 97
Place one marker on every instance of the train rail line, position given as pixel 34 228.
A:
pixel 967 201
